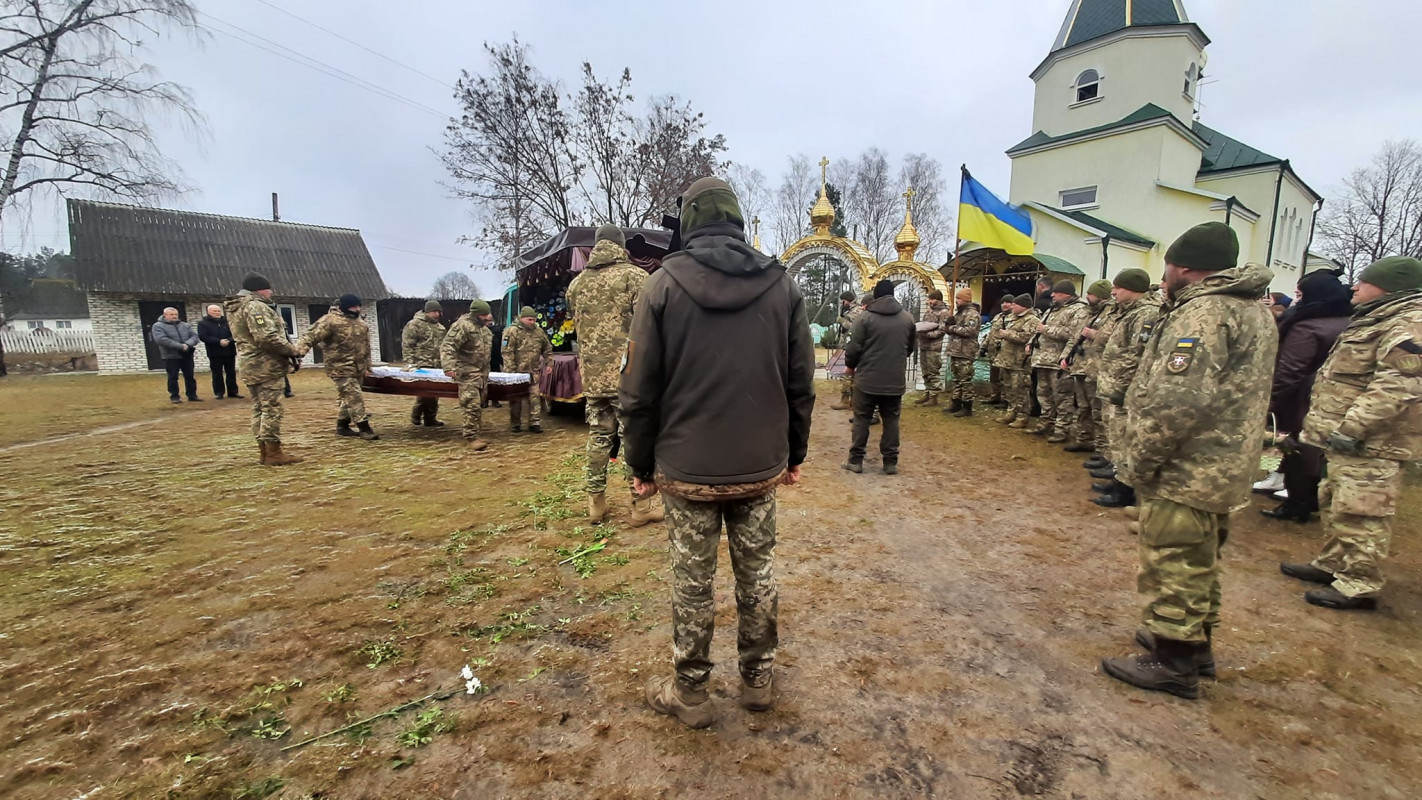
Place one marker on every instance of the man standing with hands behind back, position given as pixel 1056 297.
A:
pixel 221 352
pixel 716 435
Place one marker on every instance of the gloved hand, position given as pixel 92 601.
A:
pixel 1347 445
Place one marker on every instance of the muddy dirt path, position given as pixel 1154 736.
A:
pixel 941 631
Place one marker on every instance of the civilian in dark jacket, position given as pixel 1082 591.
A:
pixel 176 340
pixel 1307 331
pixel 878 352
pixel 717 394
pixel 212 330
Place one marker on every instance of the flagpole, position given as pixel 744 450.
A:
pixel 957 233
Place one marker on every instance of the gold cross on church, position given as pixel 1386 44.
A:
pixel 755 225
pixel 824 171
pixel 909 196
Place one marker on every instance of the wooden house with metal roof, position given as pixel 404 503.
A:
pixel 1119 164
pixel 132 262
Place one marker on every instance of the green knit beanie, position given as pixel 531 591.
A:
pixel 1101 289
pixel 1134 280
pixel 1210 247
pixel 479 308
pixel 1024 300
pixel 527 311
pixel 610 233
pixel 710 200
pixel 1064 287
pixel 433 305
pixel 1393 274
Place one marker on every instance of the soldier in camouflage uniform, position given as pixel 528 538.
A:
pixel 264 357
pixel 1195 431
pixel 930 348
pixel 344 339
pixel 963 330
pixel 601 300
pixel 1137 309
pixel 420 342
pixel 1366 412
pixel 1055 392
pixel 464 355
pixel 526 348
pixel 990 346
pixel 851 309
pixel 1011 358
pixel 1078 362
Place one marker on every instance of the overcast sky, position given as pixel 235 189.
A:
pixel 1317 81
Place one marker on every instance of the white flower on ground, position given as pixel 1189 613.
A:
pixel 471 683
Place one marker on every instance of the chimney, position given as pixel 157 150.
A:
pixel 276 215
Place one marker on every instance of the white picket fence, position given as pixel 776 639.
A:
pixel 47 342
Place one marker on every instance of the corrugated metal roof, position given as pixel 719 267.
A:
pixel 135 250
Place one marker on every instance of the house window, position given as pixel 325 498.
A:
pixel 1079 198
pixel 62 324
pixel 33 324
pixel 1088 86
pixel 288 317
pixel 1192 75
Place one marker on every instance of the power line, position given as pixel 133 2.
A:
pixel 276 7
pixel 320 66
pixel 420 253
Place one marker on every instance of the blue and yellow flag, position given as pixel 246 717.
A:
pixel 985 219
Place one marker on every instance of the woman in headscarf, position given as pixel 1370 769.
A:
pixel 1306 335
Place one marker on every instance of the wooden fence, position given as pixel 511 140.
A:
pixel 47 342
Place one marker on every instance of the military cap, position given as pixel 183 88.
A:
pixel 848 297
pixel 1133 280
pixel 707 201
pixel 1101 289
pixel 1024 300
pixel 1393 274
pixel 527 311
pixel 347 302
pixel 479 308
pixel 433 305
pixel 611 233
pixel 1064 287
pixel 1210 247
pixel 256 282
pixel 884 288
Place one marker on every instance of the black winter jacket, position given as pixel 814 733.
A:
pixel 879 348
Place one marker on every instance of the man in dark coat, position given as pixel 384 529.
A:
pixel 176 340
pixel 1307 331
pixel 213 331
pixel 878 352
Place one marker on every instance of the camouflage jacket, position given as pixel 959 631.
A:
pixel 1012 348
pixel 993 343
pixel 601 299
pixel 525 348
pixel 344 343
pixel 846 322
pixel 1370 388
pixel 1195 415
pixel 941 317
pixel 1077 352
pixel 466 349
pixel 963 330
pixel 263 351
pixel 1047 349
pixel 420 341
pixel 1121 356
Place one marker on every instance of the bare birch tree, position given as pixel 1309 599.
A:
pixel 872 203
pixel 930 213
pixel 454 285
pixel 76 103
pixel 1378 211
pixel 799 186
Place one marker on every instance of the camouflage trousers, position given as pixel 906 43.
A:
pixel 1017 391
pixel 1115 417
pixel 350 403
pixel 1358 499
pixel 425 408
pixel 930 361
pixel 471 402
pixel 530 407
pixel 846 390
pixel 695 532
pixel 604 416
pixel 266 409
pixel 995 383
pixel 1179 575
pixel 1048 396
pixel 1081 426
pixel 961 368
pixel 1098 404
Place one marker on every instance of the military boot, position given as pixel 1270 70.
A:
pixel 1079 447
pixel 645 512
pixel 691 708
pixel 276 458
pixel 924 399
pixel 1056 438
pixel 416 417
pixel 1171 667
pixel 932 400
pixel 365 432
pixel 535 428
pixel 1096 462
pixel 1119 497
pixel 1329 597
pixel 597 507
pixel 966 410
pixel 891 466
pixel 1020 423
pixel 853 466
pixel 1104 486
pixel 431 422
pixel 757 698
pixel 1103 473
pixel 842 405
pixel 1008 418
pixel 953 407
pixel 343 428
pixel 1306 572
pixel 262 447
pixel 478 445
pixel 1204 657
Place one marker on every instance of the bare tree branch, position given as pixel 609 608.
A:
pixel 1378 211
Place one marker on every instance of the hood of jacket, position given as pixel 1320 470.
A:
pixel 606 253
pixel 1249 281
pixel 719 271
pixel 887 305
pixel 236 301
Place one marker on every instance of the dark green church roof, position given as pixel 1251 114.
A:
pixel 1223 153
pixel 1092 19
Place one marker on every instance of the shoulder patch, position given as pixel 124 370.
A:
pixel 1412 347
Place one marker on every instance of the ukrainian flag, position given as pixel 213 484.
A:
pixel 985 219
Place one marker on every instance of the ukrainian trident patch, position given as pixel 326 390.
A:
pixel 1179 360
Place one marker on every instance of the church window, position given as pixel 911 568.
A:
pixel 1079 198
pixel 1192 75
pixel 1088 86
